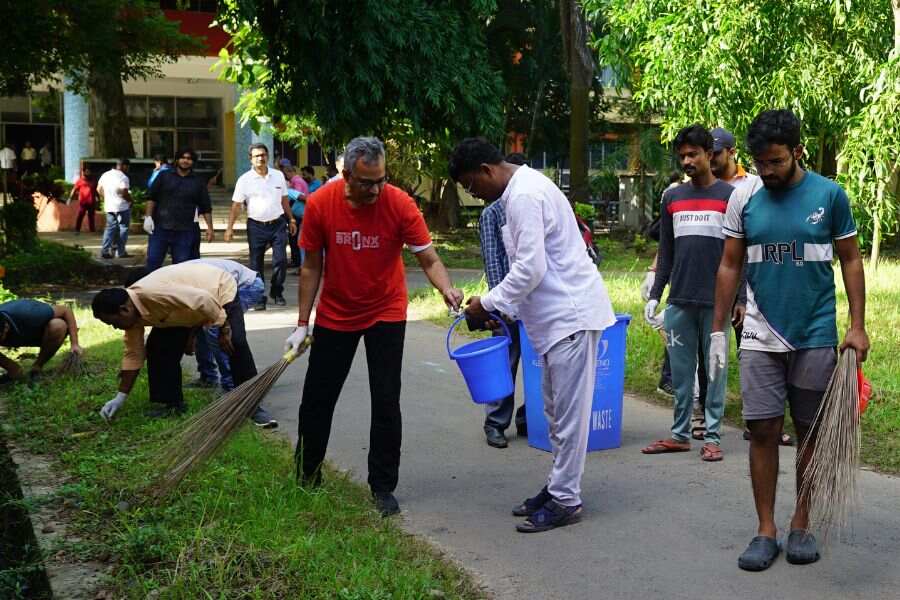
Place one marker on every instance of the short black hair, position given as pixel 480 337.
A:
pixel 135 275
pixel 471 153
pixel 109 301
pixel 516 158
pixel 159 158
pixel 190 151
pixel 694 135
pixel 776 126
pixel 308 169
pixel 122 162
pixel 257 146
pixel 676 177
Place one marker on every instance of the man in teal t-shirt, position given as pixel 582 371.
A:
pixel 790 230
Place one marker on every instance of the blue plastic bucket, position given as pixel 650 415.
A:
pixel 605 431
pixel 484 365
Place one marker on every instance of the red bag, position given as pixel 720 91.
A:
pixel 865 390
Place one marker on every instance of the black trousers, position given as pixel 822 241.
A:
pixel 329 363
pixel 259 237
pixel 165 347
pixel 500 414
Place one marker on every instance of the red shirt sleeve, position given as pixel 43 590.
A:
pixel 312 235
pixel 414 230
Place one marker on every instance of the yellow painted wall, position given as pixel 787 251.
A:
pixel 229 177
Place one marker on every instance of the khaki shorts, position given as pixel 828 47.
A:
pixel 770 379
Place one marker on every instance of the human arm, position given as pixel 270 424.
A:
pixel 286 207
pixel 855 283
pixel 310 275
pixel 61 311
pixel 439 277
pixel 232 217
pixel 525 220
pixel 665 254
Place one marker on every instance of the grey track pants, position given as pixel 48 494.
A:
pixel 570 368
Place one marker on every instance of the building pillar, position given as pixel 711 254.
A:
pixel 76 133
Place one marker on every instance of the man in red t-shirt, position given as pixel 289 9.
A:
pixel 361 223
pixel 86 190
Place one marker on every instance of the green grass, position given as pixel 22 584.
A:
pixel 880 423
pixel 238 527
pixel 458 249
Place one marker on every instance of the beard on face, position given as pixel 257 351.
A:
pixel 774 182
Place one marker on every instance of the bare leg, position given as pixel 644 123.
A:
pixel 54 335
pixel 765 435
pixel 800 520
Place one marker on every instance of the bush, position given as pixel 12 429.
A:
pixel 5 294
pixel 18 220
pixel 585 211
pixel 48 262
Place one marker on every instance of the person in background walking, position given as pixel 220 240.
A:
pixel 269 219
pixel 558 293
pixel 362 223
pixel 496 266
pixel 160 165
pixel 175 198
pixel 7 167
pixel 690 246
pixel 309 176
pixel 113 188
pixel 86 191
pixel 298 190
pixel 29 156
pixel 46 157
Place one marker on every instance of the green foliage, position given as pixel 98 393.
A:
pixel 233 528
pixel 5 294
pixel 129 37
pixel 18 220
pixel 48 262
pixel 585 211
pixel 352 69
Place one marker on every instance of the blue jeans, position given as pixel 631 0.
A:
pixel 116 228
pixel 163 241
pixel 212 362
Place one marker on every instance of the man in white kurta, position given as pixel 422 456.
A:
pixel 557 292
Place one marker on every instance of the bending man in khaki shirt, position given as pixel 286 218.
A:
pixel 174 301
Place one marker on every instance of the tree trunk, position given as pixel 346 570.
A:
pixel 112 135
pixel 538 99
pixel 580 67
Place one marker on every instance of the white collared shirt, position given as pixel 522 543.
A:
pixel 114 183
pixel 7 158
pixel 552 282
pixel 261 193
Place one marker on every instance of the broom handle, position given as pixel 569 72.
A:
pixel 290 355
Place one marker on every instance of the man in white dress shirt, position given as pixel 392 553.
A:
pixel 269 219
pixel 113 186
pixel 557 292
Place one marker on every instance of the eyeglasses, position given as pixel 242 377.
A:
pixel 368 184
pixel 254 156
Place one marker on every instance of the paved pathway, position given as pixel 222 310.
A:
pixel 655 527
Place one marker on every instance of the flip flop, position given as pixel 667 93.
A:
pixel 698 432
pixel 760 554
pixel 801 548
pixel 666 446
pixel 710 452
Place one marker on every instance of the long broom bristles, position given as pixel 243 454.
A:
pixel 205 432
pixel 830 477
pixel 72 364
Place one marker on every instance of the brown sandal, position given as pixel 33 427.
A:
pixel 710 452
pixel 698 431
pixel 666 446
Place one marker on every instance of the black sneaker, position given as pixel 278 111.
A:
pixel 263 419
pixel 279 301
pixel 666 389
pixel 201 384
pixel 385 503
pixel 125 255
pixel 495 438
pixel 259 306
pixel 106 255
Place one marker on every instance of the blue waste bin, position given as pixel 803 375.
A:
pixel 609 387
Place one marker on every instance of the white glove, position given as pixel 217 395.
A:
pixel 718 353
pixel 148 225
pixel 647 285
pixel 110 408
pixel 295 339
pixel 650 312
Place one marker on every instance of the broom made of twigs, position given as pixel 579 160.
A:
pixel 72 364
pixel 205 432
pixel 830 477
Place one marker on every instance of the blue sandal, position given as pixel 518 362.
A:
pixel 550 516
pixel 760 554
pixel 530 505
pixel 801 548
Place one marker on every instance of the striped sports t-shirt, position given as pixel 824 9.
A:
pixel 790 282
pixel 691 242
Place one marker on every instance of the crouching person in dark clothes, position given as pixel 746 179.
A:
pixel 175 301
pixel 27 323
